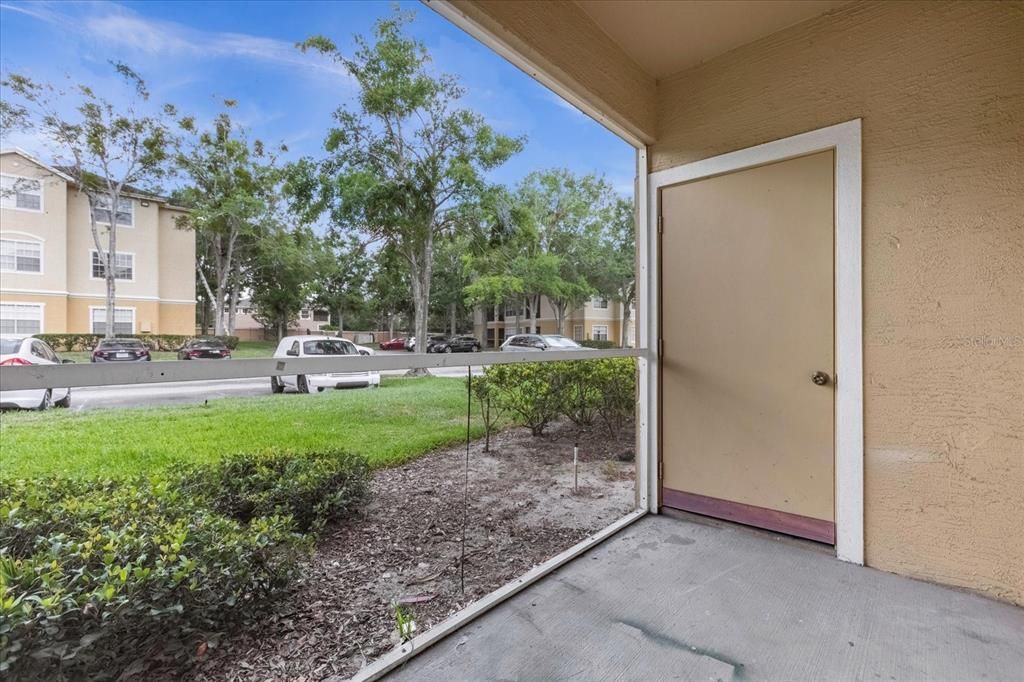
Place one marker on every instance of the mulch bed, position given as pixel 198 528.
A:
pixel 405 546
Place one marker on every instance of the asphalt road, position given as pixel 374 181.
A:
pixel 192 392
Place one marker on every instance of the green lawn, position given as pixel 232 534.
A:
pixel 245 349
pixel 399 421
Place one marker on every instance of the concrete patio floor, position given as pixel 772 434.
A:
pixel 687 598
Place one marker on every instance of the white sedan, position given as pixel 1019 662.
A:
pixel 318 347
pixel 16 350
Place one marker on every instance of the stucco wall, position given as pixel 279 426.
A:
pixel 46 226
pixel 940 88
pixel 177 258
pixel 177 318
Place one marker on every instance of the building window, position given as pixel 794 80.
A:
pixel 599 332
pixel 577 332
pixel 305 314
pixel 124 321
pixel 599 303
pixel 124 266
pixel 20 256
pixel 24 194
pixel 21 318
pixel 125 211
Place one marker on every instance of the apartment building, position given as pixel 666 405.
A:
pixel 51 278
pixel 599 319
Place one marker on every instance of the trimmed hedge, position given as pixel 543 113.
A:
pixel 584 391
pixel 312 489
pixel 67 343
pixel 600 345
pixel 95 576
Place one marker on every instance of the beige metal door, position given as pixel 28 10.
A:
pixel 746 320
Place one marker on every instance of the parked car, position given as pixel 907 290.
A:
pixel 397 343
pixel 432 341
pixel 204 349
pixel 23 351
pixel 120 350
pixel 314 347
pixel 458 344
pixel 540 342
pixel 436 342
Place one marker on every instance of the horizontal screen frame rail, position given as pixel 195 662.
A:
pixel 34 377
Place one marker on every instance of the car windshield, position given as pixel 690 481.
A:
pixel 326 347
pixel 213 343
pixel 8 346
pixel 555 341
pixel 130 344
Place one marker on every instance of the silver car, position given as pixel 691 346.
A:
pixel 540 342
pixel 16 350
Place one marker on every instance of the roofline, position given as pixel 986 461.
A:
pixel 28 157
pixel 67 178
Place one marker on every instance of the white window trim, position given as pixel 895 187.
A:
pixel 845 139
pixel 593 332
pixel 42 311
pixel 595 306
pixel 130 226
pixel 42 194
pixel 94 308
pixel 118 253
pixel 32 239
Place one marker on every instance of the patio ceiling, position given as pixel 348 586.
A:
pixel 664 37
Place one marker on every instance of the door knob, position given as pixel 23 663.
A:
pixel 820 378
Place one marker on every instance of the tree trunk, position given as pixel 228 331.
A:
pixel 535 304
pixel 391 326
pixel 233 309
pixel 419 273
pixel 453 309
pixel 110 272
pixel 341 320
pixel 515 329
pixel 626 315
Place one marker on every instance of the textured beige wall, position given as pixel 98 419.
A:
pixel 48 225
pixel 940 87
pixel 562 41
pixel 177 318
pixel 177 260
pixel 54 309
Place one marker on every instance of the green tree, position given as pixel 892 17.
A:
pixel 617 275
pixel 108 151
pixel 282 275
pixel 570 213
pixel 231 192
pixel 403 160
pixel 344 272
pixel 388 290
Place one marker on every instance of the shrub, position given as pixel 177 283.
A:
pixel 581 390
pixel 531 392
pixel 600 345
pixel 311 488
pixel 94 575
pixel 67 343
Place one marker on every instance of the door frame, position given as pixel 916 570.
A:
pixel 845 140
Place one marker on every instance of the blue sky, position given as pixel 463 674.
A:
pixel 196 54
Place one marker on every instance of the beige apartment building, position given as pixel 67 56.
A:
pixel 599 319
pixel 51 279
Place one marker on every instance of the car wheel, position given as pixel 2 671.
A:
pixel 47 400
pixel 302 384
pixel 476 349
pixel 447 349
pixel 320 389
pixel 65 401
pixel 276 386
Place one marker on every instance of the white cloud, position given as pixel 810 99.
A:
pixel 114 26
